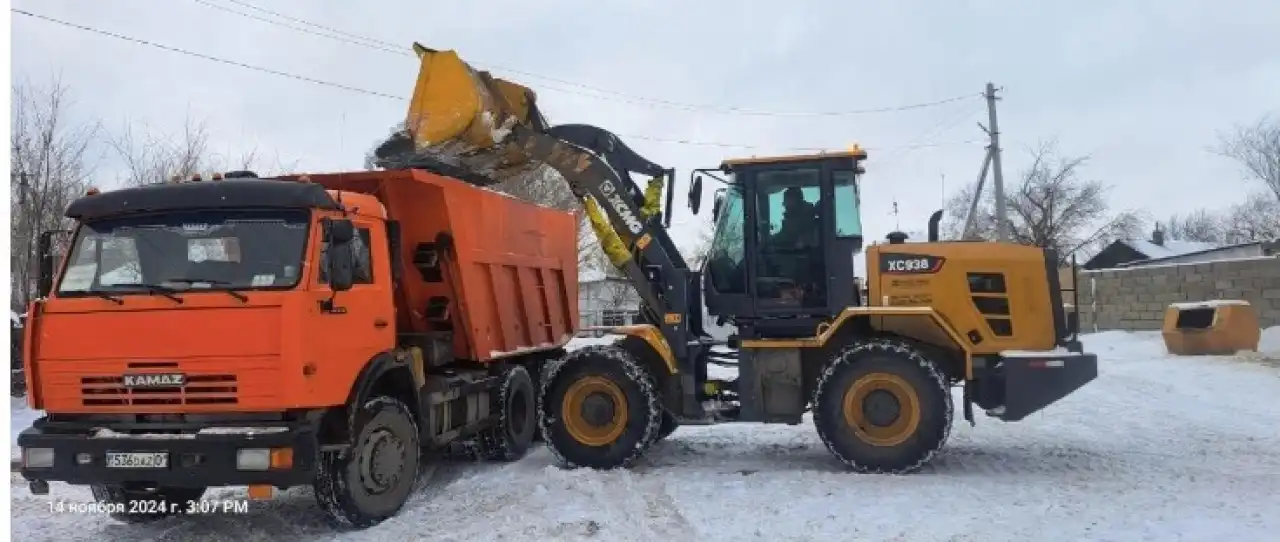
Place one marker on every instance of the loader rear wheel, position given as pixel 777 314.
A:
pixel 371 480
pixel 600 409
pixel 513 401
pixel 881 406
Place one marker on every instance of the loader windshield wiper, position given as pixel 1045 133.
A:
pixel 233 293
pixel 154 289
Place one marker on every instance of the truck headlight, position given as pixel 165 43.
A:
pixel 37 458
pixel 253 459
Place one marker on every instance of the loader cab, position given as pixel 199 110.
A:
pixel 787 231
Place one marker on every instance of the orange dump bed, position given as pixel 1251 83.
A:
pixel 510 280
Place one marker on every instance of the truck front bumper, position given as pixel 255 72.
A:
pixel 193 459
pixel 1029 382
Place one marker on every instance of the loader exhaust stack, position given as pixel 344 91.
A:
pixel 460 121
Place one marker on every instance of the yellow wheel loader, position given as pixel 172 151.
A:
pixel 876 370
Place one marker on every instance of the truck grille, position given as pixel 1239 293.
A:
pixel 198 390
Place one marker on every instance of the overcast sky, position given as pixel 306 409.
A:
pixel 1141 86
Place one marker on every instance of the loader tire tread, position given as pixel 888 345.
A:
pixel 644 406
pixel 883 356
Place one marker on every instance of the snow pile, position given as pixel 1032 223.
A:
pixel 1157 448
pixel 1210 304
pixel 1269 346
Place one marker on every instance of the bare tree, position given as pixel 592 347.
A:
pixel 49 170
pixel 1200 225
pixel 1050 206
pixel 697 251
pixel 150 157
pixel 1257 149
pixel 1256 219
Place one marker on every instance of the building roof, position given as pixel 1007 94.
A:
pixel 1170 248
pixel 1185 248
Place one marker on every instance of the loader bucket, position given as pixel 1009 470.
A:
pixel 459 120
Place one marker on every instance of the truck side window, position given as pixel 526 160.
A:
pixel 363 255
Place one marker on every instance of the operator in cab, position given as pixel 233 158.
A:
pixel 797 238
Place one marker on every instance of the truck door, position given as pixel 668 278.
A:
pixel 361 324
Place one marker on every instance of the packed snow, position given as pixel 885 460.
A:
pixel 1157 448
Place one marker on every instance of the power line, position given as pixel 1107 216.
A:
pixel 204 56
pixel 601 93
pixel 350 88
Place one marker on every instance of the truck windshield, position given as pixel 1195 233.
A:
pixel 187 251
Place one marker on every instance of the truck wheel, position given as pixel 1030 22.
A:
pixel 513 402
pixel 370 481
pixel 882 407
pixel 142 505
pixel 600 409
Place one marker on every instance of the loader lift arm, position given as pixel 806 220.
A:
pixel 651 262
pixel 483 130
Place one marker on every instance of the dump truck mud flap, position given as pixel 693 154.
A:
pixel 1032 382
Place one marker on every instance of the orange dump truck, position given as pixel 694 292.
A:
pixel 314 330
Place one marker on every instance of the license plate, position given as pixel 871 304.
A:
pixel 137 460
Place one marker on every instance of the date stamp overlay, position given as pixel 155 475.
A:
pixel 200 507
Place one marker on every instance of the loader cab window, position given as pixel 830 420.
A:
pixel 848 204
pixel 363 265
pixel 790 257
pixel 726 262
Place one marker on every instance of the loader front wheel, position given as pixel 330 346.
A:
pixel 881 406
pixel 370 481
pixel 600 409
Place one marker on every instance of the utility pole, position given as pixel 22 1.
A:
pixel 1002 212
pixel 967 232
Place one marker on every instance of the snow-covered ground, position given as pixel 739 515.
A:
pixel 1158 448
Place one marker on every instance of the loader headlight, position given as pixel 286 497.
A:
pixel 37 458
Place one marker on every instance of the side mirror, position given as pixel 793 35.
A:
pixel 339 230
pixel 340 259
pixel 695 194
pixel 50 248
pixel 44 251
pixel 341 266
pixel 716 205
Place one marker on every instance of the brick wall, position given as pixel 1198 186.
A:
pixel 1136 298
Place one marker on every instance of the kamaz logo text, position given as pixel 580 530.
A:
pixel 154 381
pixel 620 206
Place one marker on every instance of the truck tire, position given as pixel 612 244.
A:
pixel 513 402
pixel 370 481
pixel 881 406
pixel 600 409
pixel 143 505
